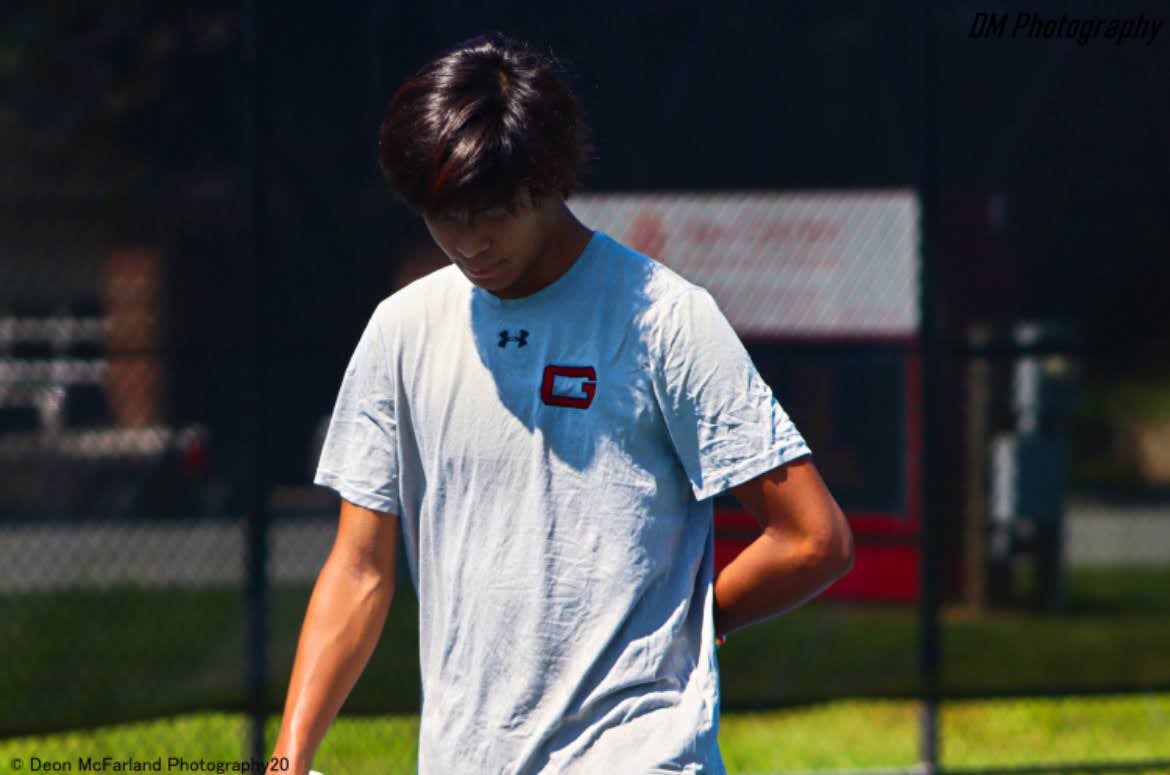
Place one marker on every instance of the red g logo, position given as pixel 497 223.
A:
pixel 587 386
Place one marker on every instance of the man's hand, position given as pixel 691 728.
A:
pixel 806 545
pixel 342 625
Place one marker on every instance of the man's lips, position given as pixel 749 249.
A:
pixel 482 270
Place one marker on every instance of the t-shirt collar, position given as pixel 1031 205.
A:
pixel 553 289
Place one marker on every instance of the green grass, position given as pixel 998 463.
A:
pixel 84 658
pixel 1114 633
pixel 834 735
pixel 81 657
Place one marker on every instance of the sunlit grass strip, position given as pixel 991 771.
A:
pixel 848 734
pixel 832 735
pixel 1074 729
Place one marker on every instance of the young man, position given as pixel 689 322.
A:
pixel 545 422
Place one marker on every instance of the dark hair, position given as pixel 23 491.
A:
pixel 477 124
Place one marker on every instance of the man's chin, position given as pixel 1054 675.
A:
pixel 493 284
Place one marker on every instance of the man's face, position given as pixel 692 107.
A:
pixel 496 249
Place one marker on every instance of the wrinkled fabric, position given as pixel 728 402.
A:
pixel 557 523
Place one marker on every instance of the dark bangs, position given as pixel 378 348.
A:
pixel 480 124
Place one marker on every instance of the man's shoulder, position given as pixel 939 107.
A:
pixel 647 282
pixel 424 289
pixel 420 294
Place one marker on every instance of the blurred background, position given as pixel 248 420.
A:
pixel 193 232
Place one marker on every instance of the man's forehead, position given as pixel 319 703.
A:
pixel 464 211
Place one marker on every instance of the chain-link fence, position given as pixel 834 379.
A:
pixel 192 233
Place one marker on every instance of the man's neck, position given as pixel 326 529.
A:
pixel 566 242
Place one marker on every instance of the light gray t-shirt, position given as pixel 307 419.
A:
pixel 552 459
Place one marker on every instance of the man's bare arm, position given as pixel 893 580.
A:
pixel 805 546
pixel 342 625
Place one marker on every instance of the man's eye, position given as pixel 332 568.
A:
pixel 495 213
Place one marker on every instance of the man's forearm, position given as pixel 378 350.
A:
pixel 773 575
pixel 342 624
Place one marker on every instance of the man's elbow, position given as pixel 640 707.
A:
pixel 835 549
pixel 362 572
pixel 846 555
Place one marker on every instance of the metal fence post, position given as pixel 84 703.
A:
pixel 256 556
pixel 928 627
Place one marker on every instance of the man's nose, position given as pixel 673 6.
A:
pixel 471 244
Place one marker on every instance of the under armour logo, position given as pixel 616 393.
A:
pixel 520 340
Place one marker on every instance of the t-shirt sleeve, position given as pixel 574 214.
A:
pixel 359 459
pixel 726 425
